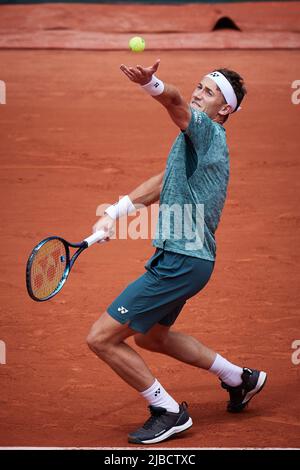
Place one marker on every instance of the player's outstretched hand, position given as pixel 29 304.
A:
pixel 139 74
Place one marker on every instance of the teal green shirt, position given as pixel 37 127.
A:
pixel 194 189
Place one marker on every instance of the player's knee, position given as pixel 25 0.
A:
pixel 96 341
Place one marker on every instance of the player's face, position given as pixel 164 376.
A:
pixel 208 98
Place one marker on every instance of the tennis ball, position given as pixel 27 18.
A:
pixel 137 44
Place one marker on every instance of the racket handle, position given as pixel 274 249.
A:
pixel 96 237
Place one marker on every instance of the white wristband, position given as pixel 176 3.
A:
pixel 155 87
pixel 123 207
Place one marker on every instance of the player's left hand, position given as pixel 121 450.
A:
pixel 139 74
pixel 105 223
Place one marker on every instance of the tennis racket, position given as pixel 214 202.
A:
pixel 50 263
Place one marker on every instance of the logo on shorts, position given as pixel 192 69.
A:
pixel 122 310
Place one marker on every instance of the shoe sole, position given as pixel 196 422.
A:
pixel 166 435
pixel 262 378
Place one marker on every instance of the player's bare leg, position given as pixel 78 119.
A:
pixel 241 383
pixel 107 340
pixel 181 346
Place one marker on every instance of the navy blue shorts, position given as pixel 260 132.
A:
pixel 161 292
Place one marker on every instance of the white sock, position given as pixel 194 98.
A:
pixel 156 395
pixel 228 372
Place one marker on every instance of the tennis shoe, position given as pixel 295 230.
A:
pixel 253 382
pixel 161 425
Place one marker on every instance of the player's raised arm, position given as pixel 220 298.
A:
pixel 166 94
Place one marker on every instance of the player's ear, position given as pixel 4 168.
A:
pixel 225 110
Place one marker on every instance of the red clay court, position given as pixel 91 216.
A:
pixel 76 133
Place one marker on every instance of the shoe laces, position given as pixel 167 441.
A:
pixel 156 413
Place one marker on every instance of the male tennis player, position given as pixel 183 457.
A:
pixel 196 177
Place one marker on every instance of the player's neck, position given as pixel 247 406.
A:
pixel 219 120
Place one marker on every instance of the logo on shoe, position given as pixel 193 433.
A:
pixel 122 310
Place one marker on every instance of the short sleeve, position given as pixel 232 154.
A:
pixel 200 130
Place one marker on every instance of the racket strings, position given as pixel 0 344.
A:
pixel 48 268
